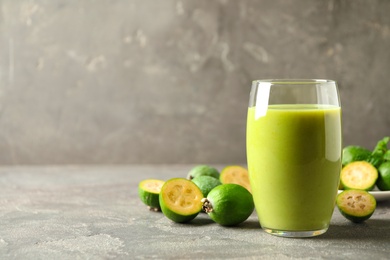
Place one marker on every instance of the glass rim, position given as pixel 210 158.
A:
pixel 293 81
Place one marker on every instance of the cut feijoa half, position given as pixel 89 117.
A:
pixel 228 204
pixel 180 200
pixel 359 175
pixel 149 191
pixel 356 205
pixel 235 174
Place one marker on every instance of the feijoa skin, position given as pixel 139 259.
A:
pixel 206 183
pixel 149 191
pixel 180 200
pixel 383 182
pixel 356 205
pixel 203 170
pixel 229 204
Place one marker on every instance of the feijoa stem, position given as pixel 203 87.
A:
pixel 207 206
pixel 153 209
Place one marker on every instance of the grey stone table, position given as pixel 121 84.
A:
pixel 94 212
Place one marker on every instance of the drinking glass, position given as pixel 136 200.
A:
pixel 294 151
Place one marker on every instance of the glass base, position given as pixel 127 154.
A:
pixel 296 234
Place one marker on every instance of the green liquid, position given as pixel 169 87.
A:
pixel 294 163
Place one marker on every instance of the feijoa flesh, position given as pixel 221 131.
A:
pixel 180 200
pixel 360 175
pixel 235 174
pixel 356 205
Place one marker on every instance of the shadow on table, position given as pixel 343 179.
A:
pixel 201 220
pixel 373 229
pixel 249 224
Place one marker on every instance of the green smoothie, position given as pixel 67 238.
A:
pixel 294 163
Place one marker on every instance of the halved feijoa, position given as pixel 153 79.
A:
pixel 360 175
pixel 148 191
pixel 228 204
pixel 206 183
pixel 180 200
pixel 356 205
pixel 235 174
pixel 201 170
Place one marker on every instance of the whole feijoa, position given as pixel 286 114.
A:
pixel 229 204
pixel 203 170
pixel 206 183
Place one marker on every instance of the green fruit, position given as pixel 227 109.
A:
pixel 228 204
pixel 202 170
pixel 354 153
pixel 180 200
pixel 206 183
pixel 235 174
pixel 383 182
pixel 148 192
pixel 356 205
pixel 359 175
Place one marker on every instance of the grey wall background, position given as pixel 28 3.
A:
pixel 145 81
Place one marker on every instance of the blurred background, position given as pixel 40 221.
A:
pixel 145 81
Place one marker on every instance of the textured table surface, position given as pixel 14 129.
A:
pixel 93 212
